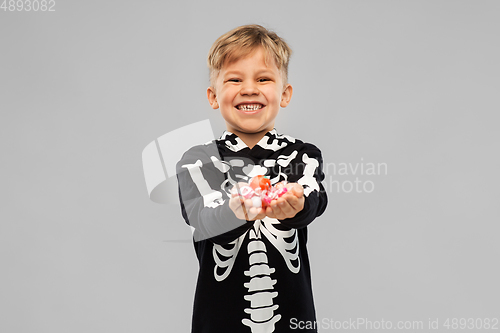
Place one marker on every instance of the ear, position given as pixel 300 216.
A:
pixel 212 98
pixel 286 96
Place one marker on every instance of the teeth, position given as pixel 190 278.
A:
pixel 248 107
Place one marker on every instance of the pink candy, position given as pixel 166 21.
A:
pixel 247 192
pixel 266 196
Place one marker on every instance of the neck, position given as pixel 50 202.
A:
pixel 250 139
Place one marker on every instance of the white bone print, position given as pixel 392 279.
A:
pixel 308 177
pixel 211 198
pixel 230 254
pixel 277 238
pixel 260 286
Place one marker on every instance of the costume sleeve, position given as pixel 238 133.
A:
pixel 204 203
pixel 308 171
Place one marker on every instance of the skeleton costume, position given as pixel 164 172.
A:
pixel 254 276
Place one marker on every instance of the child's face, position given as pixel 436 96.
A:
pixel 249 94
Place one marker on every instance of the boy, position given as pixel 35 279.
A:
pixel 254 271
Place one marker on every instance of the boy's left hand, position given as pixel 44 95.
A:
pixel 289 204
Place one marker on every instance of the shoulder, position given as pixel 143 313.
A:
pixel 203 152
pixel 299 145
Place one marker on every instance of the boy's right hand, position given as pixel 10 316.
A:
pixel 243 208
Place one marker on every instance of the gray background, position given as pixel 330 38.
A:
pixel 84 89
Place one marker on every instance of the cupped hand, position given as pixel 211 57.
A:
pixel 289 204
pixel 243 208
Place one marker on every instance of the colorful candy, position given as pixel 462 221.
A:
pixel 260 191
pixel 261 182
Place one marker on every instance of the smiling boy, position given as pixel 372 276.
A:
pixel 254 268
pixel 249 93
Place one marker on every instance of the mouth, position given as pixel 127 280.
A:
pixel 249 108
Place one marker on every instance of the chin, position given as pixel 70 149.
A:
pixel 249 127
pixel 254 130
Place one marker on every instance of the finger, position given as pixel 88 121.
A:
pixel 296 203
pixel 238 208
pixel 262 214
pixel 241 202
pixel 251 213
pixel 242 209
pixel 297 190
pixel 291 199
pixel 280 185
pixel 270 212
pixel 248 203
pixel 234 203
pixel 277 206
pixel 287 210
pixel 255 213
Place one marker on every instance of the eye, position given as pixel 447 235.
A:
pixel 263 79
pixel 233 80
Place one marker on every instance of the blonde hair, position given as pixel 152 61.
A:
pixel 243 40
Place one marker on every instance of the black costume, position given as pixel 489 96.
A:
pixel 254 276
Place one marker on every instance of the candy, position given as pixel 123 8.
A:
pixel 260 182
pixel 247 192
pixel 256 202
pixel 260 191
pixel 282 191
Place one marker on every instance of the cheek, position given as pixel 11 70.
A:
pixel 274 96
pixel 228 97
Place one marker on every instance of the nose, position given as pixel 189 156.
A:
pixel 249 88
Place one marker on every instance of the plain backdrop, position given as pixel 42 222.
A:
pixel 84 89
